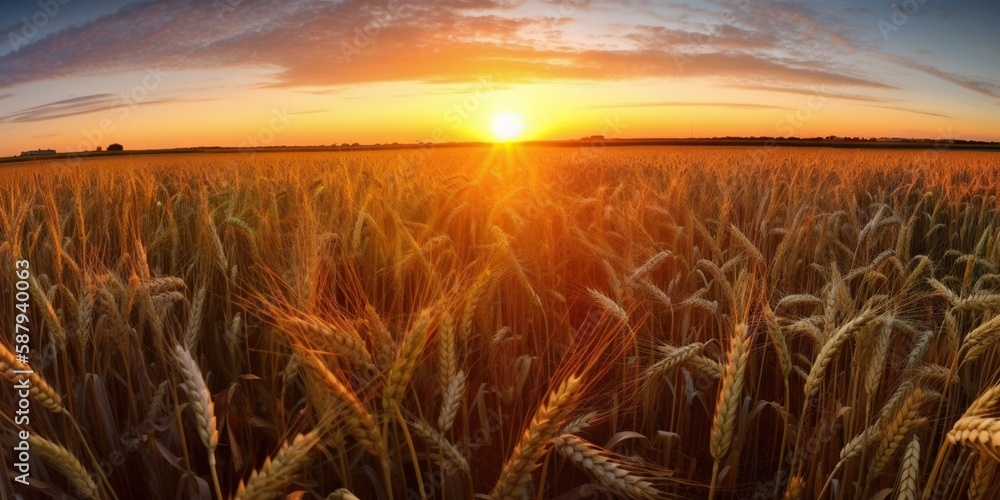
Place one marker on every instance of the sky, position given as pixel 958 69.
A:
pixel 77 74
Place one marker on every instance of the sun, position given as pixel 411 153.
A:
pixel 507 126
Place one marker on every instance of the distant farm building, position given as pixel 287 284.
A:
pixel 38 152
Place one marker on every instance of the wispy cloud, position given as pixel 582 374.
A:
pixel 322 44
pixel 810 92
pixel 986 87
pixel 658 104
pixel 78 106
pixel 914 111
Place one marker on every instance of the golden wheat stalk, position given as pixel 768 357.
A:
pixel 675 356
pixel 979 432
pixel 905 421
pixel 39 389
pixel 730 393
pixel 648 265
pixel 277 473
pixel 451 458
pixel 829 351
pixel 451 401
pixel 342 494
pixel 982 476
pixel 728 401
pixel 544 426
pixel 201 404
pixel 359 421
pixel 60 458
pixel 447 356
pixel 777 338
pixel 191 334
pixel 343 340
pixel 909 471
pixel 981 338
pixel 398 378
pixel 609 305
pixel 613 472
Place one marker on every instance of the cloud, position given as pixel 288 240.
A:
pixel 925 113
pixel 78 106
pixel 657 104
pixel 6 96
pixel 811 92
pixel 326 44
pixel 986 87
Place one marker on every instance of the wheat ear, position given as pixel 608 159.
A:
pixel 194 320
pixel 674 357
pixel 909 471
pixel 450 402
pixel 277 473
pixel 450 455
pixel 398 377
pixel 982 476
pixel 545 425
pixel 731 391
pixel 40 390
pixel 359 421
pixel 201 403
pixel 905 421
pixel 342 494
pixel 60 458
pixel 605 467
pixel 345 342
pixel 447 357
pixel 830 350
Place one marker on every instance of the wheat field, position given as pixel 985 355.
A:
pixel 508 322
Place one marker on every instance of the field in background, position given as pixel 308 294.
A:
pixel 558 323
